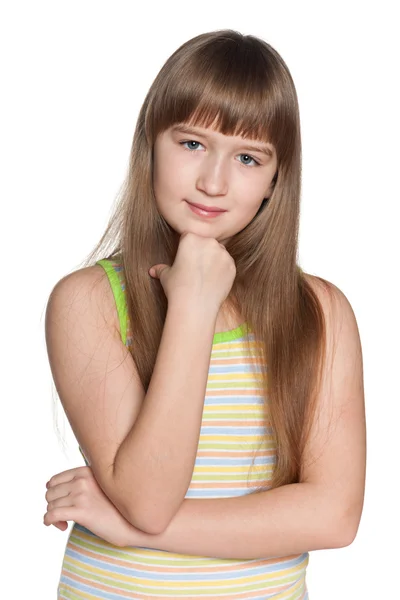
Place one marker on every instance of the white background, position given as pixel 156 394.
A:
pixel 73 76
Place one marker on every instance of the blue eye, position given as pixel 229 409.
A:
pixel 189 142
pixel 256 163
pixel 251 158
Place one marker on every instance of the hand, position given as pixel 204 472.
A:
pixel 203 270
pixel 75 495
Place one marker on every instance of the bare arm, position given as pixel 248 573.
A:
pixel 291 519
pixel 324 509
pixel 154 464
pixel 141 448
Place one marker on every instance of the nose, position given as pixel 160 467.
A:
pixel 212 179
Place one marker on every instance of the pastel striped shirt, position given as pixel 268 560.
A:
pixel 235 456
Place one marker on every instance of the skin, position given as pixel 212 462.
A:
pixel 217 170
pixel 323 510
pixel 209 168
pixel 224 171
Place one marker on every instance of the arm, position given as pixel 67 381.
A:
pixel 154 464
pixel 288 520
pixel 324 509
pixel 143 466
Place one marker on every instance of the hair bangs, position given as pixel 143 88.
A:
pixel 230 85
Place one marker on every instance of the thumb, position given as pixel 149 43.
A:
pixel 156 270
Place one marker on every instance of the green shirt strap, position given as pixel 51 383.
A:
pixel 116 278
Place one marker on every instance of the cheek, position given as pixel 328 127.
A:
pixel 161 170
pixel 249 208
pixel 168 182
pixel 167 167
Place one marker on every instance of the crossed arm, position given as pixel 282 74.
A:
pixel 288 520
pixel 322 511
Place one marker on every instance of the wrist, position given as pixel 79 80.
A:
pixel 196 309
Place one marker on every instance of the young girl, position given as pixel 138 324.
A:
pixel 214 388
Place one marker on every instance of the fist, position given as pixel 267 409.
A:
pixel 203 270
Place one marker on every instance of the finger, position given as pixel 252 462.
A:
pixel 58 491
pixel 157 270
pixel 67 475
pixel 63 525
pixel 62 513
pixel 59 502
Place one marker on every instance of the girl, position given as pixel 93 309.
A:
pixel 215 389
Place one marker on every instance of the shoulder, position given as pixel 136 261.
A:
pixel 342 372
pixel 336 307
pixel 84 292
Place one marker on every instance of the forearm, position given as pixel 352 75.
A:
pixel 288 520
pixel 154 464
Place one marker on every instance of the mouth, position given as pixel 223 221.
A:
pixel 205 211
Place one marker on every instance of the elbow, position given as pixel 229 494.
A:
pixel 348 534
pixel 341 539
pixel 141 515
pixel 345 530
pixel 151 525
pixel 150 513
pixel 151 521
pixel 140 511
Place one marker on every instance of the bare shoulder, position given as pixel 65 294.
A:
pixel 342 376
pixel 343 350
pixel 338 311
pixel 93 371
pixel 324 289
pixel 85 292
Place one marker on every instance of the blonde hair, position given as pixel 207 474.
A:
pixel 241 83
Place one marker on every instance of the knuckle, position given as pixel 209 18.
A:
pixel 77 489
pixel 79 498
pixel 82 485
pixel 232 266
pixel 80 473
pixel 82 500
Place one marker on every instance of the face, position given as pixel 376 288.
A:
pixel 202 166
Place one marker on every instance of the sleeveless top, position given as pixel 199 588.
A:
pixel 235 456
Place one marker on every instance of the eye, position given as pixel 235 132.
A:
pixel 256 163
pixel 189 142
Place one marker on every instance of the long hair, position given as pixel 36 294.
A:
pixel 241 83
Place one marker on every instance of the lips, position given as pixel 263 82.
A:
pixel 207 208
pixel 209 212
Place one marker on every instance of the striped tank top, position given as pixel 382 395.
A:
pixel 235 456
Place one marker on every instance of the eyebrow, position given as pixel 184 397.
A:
pixel 192 131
